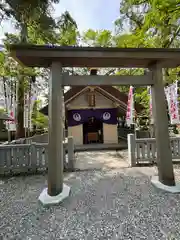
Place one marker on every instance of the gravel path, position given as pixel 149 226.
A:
pixel 113 203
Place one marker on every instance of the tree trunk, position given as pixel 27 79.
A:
pixel 20 132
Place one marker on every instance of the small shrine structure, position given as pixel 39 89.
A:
pixel 92 113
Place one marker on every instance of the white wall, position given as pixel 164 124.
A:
pixel 77 133
pixel 81 102
pixel 110 133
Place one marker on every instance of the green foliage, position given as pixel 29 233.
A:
pixel 151 23
pixel 101 38
pixel 157 19
pixel 36 25
pixel 39 119
pixel 141 93
pixel 67 31
pixel 2 110
pixel 25 9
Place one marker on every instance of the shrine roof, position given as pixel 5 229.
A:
pixel 74 91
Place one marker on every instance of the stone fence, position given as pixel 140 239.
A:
pixel 144 151
pixel 32 158
pixel 41 138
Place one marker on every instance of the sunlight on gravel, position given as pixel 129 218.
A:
pixel 108 204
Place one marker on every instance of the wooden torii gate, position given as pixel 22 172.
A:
pixel 55 58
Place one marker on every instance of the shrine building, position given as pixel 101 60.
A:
pixel 92 113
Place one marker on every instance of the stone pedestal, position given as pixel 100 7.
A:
pixel 171 189
pixel 48 200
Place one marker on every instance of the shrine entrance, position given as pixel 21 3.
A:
pixel 58 57
pixel 93 131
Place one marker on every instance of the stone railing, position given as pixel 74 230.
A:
pixel 32 158
pixel 141 151
pixel 41 138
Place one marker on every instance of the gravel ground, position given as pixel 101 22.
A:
pixel 101 160
pixel 112 203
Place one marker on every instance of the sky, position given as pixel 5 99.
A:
pixel 95 14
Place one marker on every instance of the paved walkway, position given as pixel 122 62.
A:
pixel 112 203
pixel 101 160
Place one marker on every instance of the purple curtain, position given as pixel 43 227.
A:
pixel 106 115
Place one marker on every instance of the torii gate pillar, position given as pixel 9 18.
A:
pixel 164 154
pixel 56 190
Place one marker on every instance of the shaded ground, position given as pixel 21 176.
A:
pixel 114 203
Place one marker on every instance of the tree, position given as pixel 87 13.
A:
pixel 39 120
pixel 150 24
pixel 27 13
pixel 67 31
pixel 155 22
pixel 101 38
pixel 46 31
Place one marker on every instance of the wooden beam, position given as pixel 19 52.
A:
pixel 43 56
pixel 89 80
